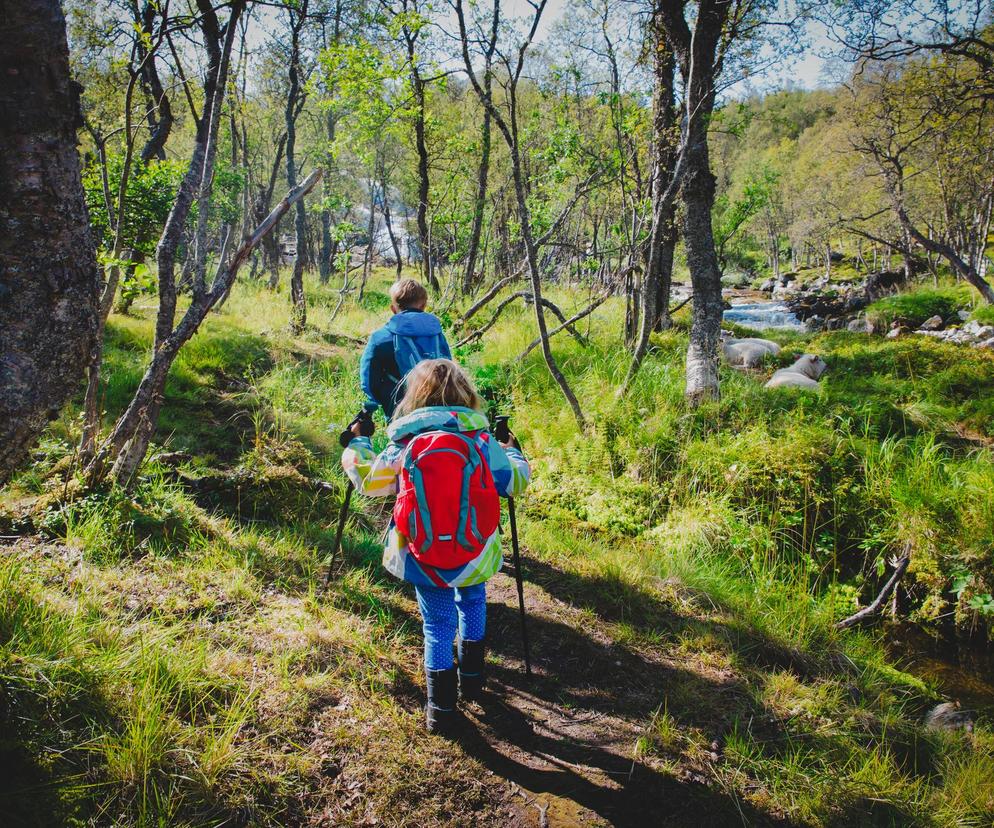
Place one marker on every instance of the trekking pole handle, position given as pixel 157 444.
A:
pixel 502 430
pixel 365 421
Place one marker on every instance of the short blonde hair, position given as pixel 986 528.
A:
pixel 408 293
pixel 438 382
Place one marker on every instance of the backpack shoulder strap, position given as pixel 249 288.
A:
pixel 467 512
pixel 406 353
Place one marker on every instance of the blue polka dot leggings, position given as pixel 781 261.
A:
pixel 445 609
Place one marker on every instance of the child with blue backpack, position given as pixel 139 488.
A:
pixel 448 472
pixel 411 336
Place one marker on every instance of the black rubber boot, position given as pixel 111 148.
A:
pixel 471 669
pixel 440 711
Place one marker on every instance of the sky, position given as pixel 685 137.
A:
pixel 810 70
pixel 807 71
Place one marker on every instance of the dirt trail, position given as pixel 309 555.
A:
pixel 560 749
pixel 566 741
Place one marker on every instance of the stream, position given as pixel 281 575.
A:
pixel 761 315
pixel 961 671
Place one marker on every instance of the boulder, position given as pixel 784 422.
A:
pixel 933 323
pixel 860 325
pixel 767 286
pixel 882 283
pixel 825 304
pixel 948 716
pixel 735 279
pixel 978 330
pixel 897 331
pixel 963 315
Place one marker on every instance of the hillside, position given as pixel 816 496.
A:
pixel 171 657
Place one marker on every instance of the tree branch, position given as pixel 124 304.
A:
pixel 571 321
pixel 878 602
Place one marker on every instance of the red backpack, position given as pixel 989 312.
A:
pixel 447 504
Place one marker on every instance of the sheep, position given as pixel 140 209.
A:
pixel 803 373
pixel 747 353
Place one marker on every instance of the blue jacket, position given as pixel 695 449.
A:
pixel 378 371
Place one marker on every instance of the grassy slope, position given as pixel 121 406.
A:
pixel 169 659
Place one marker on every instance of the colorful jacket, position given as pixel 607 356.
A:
pixel 379 375
pixel 377 476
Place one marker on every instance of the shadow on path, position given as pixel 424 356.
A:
pixel 569 734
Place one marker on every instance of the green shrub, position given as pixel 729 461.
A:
pixel 984 314
pixel 110 524
pixel 914 307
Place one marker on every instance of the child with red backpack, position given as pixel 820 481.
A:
pixel 448 472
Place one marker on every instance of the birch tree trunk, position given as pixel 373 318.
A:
pixel 479 203
pixel 705 277
pixel 658 280
pixel 388 219
pixel 508 127
pixel 298 313
pixel 327 242
pixel 700 57
pixel 424 181
pixel 128 442
pixel 483 171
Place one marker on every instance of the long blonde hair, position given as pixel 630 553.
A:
pixel 438 382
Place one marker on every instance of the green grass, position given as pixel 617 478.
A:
pixel 984 314
pixel 164 653
pixel 913 307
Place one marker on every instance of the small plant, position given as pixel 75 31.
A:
pixel 662 735
pixel 984 314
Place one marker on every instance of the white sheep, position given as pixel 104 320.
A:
pixel 747 353
pixel 803 373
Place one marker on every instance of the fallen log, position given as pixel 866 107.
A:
pixel 872 609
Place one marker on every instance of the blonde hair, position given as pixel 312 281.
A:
pixel 408 293
pixel 438 382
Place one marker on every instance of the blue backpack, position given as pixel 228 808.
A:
pixel 409 353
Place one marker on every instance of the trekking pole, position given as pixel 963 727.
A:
pixel 366 420
pixel 502 432
pixel 342 517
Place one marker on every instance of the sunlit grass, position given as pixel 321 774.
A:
pixel 184 644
